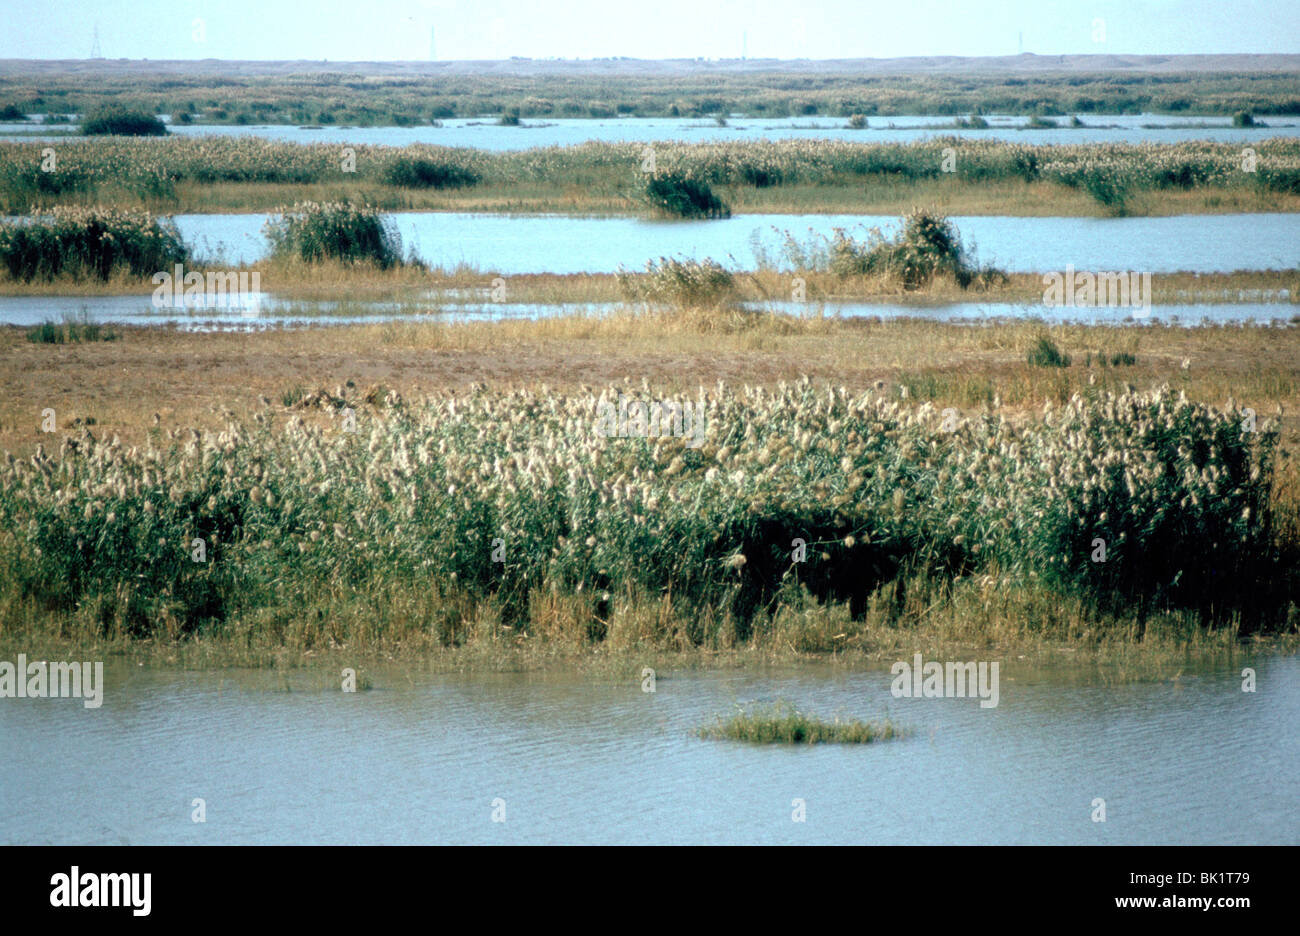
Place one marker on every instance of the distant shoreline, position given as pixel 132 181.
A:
pixel 1025 62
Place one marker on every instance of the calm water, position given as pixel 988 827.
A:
pixel 420 759
pixel 564 244
pixel 483 133
pixel 263 310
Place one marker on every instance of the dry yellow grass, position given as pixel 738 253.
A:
pixel 187 378
pixel 871 196
pixel 426 290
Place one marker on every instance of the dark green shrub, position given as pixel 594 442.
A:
pixel 118 121
pixel 89 242
pixel 1108 188
pixel 1045 353
pixel 315 231
pixel 684 196
pixel 413 172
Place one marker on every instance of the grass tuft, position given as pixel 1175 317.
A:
pixel 782 723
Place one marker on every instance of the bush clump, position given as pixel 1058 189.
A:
pixel 416 172
pixel 72 330
pixel 312 232
pixel 91 243
pixel 115 120
pixel 926 247
pixel 1045 353
pixel 679 282
pixel 782 723
pixel 683 195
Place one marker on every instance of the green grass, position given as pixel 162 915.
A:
pixel 1045 353
pixel 782 723
pixel 71 330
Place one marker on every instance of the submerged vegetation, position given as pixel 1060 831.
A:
pixel 782 723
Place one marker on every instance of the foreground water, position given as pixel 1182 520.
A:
pixel 263 310
pixel 513 244
pixel 1184 758
pixel 484 133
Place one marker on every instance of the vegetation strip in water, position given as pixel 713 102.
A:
pixel 782 723
pixel 704 180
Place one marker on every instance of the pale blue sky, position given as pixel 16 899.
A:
pixel 493 29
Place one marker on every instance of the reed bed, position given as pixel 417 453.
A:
pixel 120 168
pixel 513 506
pixel 89 243
pixel 315 232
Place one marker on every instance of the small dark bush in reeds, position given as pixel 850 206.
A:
pixel 683 196
pixel 1278 179
pixel 509 119
pixel 415 172
pixel 115 120
pixel 1108 188
pixel 11 112
pixel 25 185
pixel 974 122
pixel 315 231
pixel 89 242
pixel 782 723
pixel 1045 353
pixel 1243 119
pixel 1041 123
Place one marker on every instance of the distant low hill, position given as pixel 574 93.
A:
pixel 418 93
pixel 1027 62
